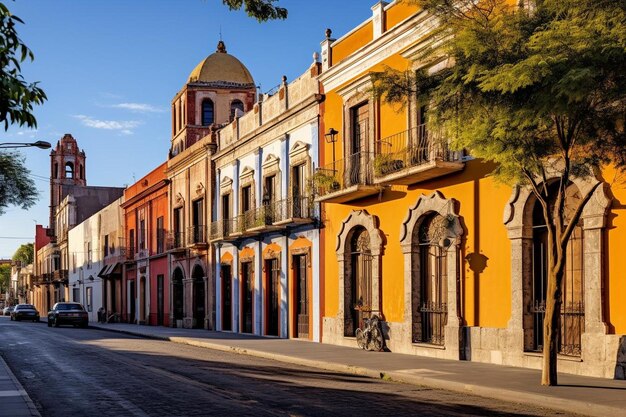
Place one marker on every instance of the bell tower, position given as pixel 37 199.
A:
pixel 67 170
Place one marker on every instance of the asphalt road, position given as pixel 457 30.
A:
pixel 86 372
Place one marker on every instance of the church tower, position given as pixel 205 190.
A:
pixel 218 89
pixel 67 169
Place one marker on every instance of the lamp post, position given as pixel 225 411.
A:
pixel 39 144
pixel 331 137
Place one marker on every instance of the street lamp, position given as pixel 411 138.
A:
pixel 331 137
pixel 39 144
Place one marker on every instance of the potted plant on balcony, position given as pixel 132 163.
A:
pixel 325 181
pixel 384 164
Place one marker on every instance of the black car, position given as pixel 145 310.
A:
pixel 25 312
pixel 68 313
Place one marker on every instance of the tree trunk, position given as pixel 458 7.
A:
pixel 552 322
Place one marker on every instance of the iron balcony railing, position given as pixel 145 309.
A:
pixel 222 228
pixel 175 240
pixel 196 234
pixel 245 221
pixel 356 169
pixel 411 148
pixel 300 207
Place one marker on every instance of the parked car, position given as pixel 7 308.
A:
pixel 7 310
pixel 25 312
pixel 68 313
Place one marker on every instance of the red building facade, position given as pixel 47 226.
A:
pixel 146 279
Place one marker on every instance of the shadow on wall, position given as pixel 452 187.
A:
pixel 620 366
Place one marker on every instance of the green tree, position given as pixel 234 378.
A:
pixel 16 187
pixel 25 253
pixel 538 88
pixel 17 97
pixel 5 278
pixel 261 10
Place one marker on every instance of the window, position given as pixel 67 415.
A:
pixel 89 300
pixel 55 174
pixel 197 222
pixel 178 225
pixel 142 234
pixel 76 295
pixel 207 112
pixel 226 213
pixel 106 245
pixel 131 242
pixel 81 170
pixel 246 198
pixel 236 109
pixel 69 170
pixel 88 254
pixel 160 234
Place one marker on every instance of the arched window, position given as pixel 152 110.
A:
pixel 572 308
pixel 360 282
pixel 236 107
pixel 81 172
pixel 431 309
pixel 55 174
pixel 69 170
pixel 207 112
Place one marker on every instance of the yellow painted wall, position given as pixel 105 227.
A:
pixel 398 12
pixel 356 40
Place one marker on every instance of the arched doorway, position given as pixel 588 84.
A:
pixel 572 324
pixel 358 291
pixel 430 284
pixel 198 297
pixel 177 297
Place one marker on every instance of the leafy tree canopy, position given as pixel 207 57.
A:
pixel 17 97
pixel 16 187
pixel 261 10
pixel 5 277
pixel 25 253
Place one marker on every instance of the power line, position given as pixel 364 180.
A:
pixel 15 237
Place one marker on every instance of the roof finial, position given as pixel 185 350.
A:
pixel 221 47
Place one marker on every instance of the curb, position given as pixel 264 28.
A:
pixel 29 403
pixel 536 400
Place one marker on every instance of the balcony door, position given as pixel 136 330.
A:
pixel 272 277
pixel 359 127
pixel 226 214
pixel 302 296
pixel 298 188
pixel 198 224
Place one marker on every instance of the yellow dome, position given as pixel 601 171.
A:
pixel 221 69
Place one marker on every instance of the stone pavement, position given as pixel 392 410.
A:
pixel 14 401
pixel 575 394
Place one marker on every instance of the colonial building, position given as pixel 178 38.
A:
pixel 146 279
pixel 266 225
pixel 425 239
pixel 217 90
pixel 72 201
pixel 89 250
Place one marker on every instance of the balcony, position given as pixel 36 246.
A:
pixel 297 210
pixel 222 230
pixel 196 237
pixel 175 242
pixel 413 156
pixel 60 275
pixel 346 179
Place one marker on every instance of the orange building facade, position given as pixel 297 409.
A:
pixel 425 239
pixel 146 288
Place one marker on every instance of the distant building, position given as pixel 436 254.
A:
pixel 72 201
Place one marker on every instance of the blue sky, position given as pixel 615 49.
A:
pixel 111 67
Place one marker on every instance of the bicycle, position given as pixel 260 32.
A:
pixel 371 336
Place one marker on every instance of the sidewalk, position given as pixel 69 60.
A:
pixel 14 401
pixel 576 394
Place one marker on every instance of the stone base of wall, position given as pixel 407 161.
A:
pixel 188 322
pixel 603 355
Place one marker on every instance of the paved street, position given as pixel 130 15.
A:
pixel 68 371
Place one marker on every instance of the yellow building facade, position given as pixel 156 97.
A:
pixel 424 238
